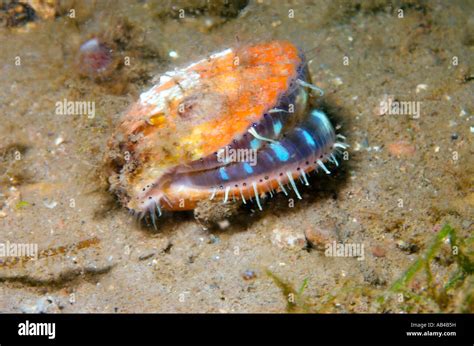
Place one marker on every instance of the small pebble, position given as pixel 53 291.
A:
pixel 454 136
pixel 401 148
pixel 213 239
pixel 209 22
pixel 249 275
pixel 50 204
pixel 337 81
pixel 378 251
pixel 421 87
pixel 59 141
pixel 223 224
pixel 318 237
pixel 407 247
pixel 276 23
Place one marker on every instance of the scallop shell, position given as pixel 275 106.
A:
pixel 232 126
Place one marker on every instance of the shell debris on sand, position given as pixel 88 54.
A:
pixel 287 238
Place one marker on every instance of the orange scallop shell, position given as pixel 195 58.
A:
pixel 194 111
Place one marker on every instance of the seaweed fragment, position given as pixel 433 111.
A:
pixel 295 301
pixel 465 268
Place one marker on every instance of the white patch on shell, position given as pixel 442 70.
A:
pixel 187 79
pixel 160 99
pixel 221 54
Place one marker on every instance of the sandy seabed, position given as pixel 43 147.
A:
pixel 408 174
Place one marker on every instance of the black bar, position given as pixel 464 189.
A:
pixel 294 329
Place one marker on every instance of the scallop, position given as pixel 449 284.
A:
pixel 229 127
